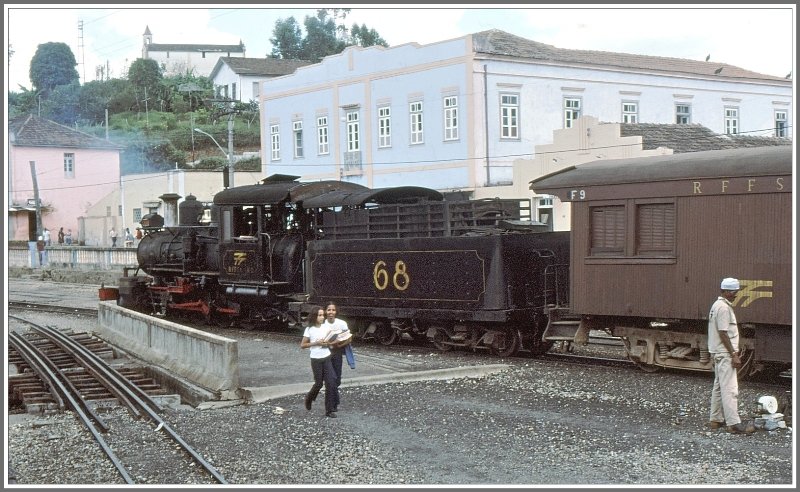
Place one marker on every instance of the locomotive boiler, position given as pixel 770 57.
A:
pixel 240 261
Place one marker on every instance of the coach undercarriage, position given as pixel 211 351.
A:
pixel 657 348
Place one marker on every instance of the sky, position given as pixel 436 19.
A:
pixel 756 37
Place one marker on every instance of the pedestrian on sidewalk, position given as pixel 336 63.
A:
pixel 314 338
pixel 340 347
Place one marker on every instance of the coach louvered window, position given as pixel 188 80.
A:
pixel 608 230
pixel 655 229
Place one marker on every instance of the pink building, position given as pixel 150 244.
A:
pixel 74 170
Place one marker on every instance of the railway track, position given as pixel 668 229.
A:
pixel 70 393
pixel 600 345
pixel 50 308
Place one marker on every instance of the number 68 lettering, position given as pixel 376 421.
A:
pixel 400 279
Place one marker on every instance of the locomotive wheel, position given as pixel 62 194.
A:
pixel 385 334
pixel 210 314
pixel 508 346
pixel 439 339
pixel 358 327
pixel 537 346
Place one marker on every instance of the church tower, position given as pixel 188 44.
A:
pixel 147 39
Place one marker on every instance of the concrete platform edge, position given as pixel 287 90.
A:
pixel 265 393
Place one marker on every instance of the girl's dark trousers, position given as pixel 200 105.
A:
pixel 324 373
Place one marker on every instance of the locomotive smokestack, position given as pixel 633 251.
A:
pixel 190 211
pixel 170 208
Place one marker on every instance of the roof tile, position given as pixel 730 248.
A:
pixel 693 138
pixel 497 42
pixel 32 131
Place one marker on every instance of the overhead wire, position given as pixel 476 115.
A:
pixel 427 161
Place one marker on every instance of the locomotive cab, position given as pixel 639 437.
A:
pixel 261 245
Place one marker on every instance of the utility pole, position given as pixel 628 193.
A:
pixel 146 114
pixel 83 54
pixel 230 109
pixel 36 199
pixel 230 149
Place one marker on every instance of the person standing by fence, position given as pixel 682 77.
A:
pixel 42 254
pixel 113 235
pixel 128 238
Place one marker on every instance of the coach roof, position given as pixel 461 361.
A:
pixel 273 192
pixel 756 161
pixel 381 195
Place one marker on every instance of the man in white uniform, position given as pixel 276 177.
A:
pixel 723 344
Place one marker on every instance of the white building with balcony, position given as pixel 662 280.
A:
pixel 456 114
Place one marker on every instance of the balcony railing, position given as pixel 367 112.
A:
pixel 352 162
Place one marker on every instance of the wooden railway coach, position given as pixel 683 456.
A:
pixel 652 237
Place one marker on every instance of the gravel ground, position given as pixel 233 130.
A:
pixel 539 422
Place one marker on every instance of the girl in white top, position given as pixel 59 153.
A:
pixel 321 366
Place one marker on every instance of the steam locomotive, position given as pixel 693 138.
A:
pixel 398 261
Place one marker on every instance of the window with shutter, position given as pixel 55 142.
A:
pixel 608 230
pixel 655 229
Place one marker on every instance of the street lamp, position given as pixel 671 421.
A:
pixel 228 154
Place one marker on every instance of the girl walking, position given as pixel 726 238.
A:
pixel 321 366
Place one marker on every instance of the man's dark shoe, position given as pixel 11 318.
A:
pixel 714 425
pixel 742 428
pixel 331 415
pixel 308 402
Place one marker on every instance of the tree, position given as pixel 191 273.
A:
pixel 53 65
pixel 24 102
pixel 145 76
pixel 321 39
pixel 365 37
pixel 326 35
pixel 287 39
pixel 116 95
pixel 185 92
pixel 62 104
